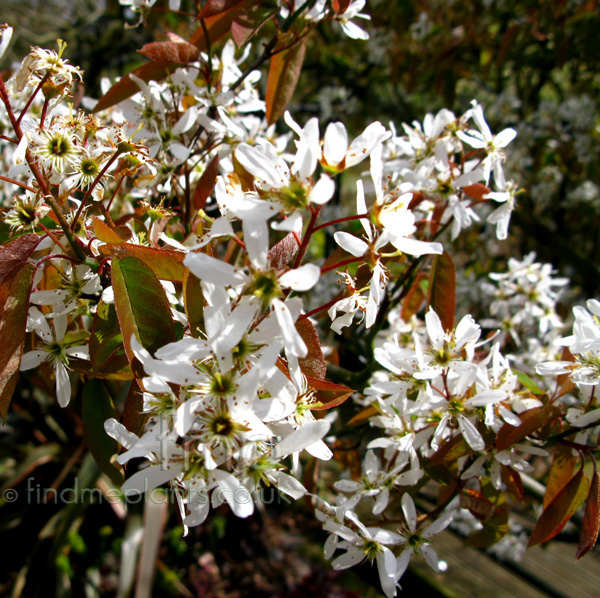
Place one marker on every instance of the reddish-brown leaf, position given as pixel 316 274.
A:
pixel 512 481
pixel 479 505
pixel 218 19
pixel 247 24
pixel 411 304
pixel 476 191
pixel 179 52
pixel 442 289
pixel 165 263
pixel 563 506
pixel 341 6
pixel 363 415
pixel 215 7
pixel 282 253
pixel 14 303
pixel 15 252
pixel 134 417
pixel 564 465
pixel 314 364
pixel 157 70
pixel 106 234
pixel 564 384
pixel 450 451
pixel 206 184
pixel 328 394
pixel 284 72
pixel 532 420
pixel 193 300
pixel 591 520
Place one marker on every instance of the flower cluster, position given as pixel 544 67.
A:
pixel 178 241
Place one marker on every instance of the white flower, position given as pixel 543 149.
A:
pixel 54 350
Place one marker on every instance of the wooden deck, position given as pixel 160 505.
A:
pixel 542 573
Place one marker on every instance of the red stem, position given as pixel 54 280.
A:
pixel 312 312
pixel 350 260
pixel 338 220
pixel 307 236
pixel 9 180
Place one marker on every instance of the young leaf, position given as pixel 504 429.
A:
pixel 179 52
pixel 591 520
pixel 284 72
pixel 14 304
pixel 313 364
pixel 157 70
pixel 107 354
pixel 106 234
pixel 282 253
pixel 476 191
pixel 328 394
pixel 206 184
pixel 215 7
pixel 96 408
pixel 564 465
pixel 411 304
pixel 142 306
pixel 512 481
pixel 193 300
pixel 165 263
pixel 15 252
pixel 562 507
pixel 528 383
pixel 247 24
pixel 134 418
pixel 532 420
pixel 442 289
pixel 341 6
pixel 218 18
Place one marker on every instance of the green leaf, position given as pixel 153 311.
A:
pixel 284 72
pixel 14 303
pixel 142 306
pixel 193 299
pixel 107 353
pixel 528 383
pixel 562 507
pixel 591 520
pixel 165 263
pixel 96 408
pixel 442 289
pixel 532 420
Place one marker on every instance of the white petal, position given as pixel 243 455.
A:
pixel 32 359
pixel 301 279
pixel 63 384
pixel 350 243
pixel 293 341
pixel 301 438
pixel 213 270
pixel 323 191
pixel 335 143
